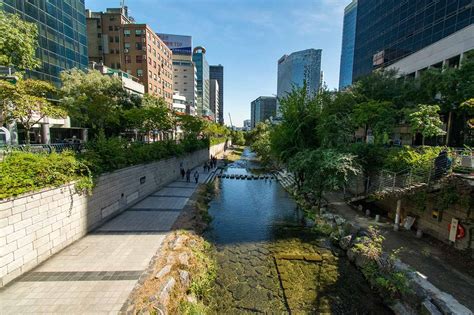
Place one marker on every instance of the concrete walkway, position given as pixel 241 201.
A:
pixel 97 273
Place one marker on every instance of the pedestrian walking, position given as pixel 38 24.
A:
pixel 205 167
pixel 183 173
pixel 196 176
pixel 188 175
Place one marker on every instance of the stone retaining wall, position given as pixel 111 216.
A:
pixel 37 225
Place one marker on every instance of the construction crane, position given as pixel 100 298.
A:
pixel 231 125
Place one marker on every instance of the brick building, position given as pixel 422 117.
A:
pixel 119 43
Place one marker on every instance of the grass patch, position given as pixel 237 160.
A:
pixel 234 154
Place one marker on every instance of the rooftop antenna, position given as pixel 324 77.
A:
pixel 122 3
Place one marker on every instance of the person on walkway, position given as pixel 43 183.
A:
pixel 183 173
pixel 188 175
pixel 196 176
pixel 205 167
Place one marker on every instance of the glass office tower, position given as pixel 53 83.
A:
pixel 261 109
pixel 202 82
pixel 348 41
pixel 297 67
pixel 62 34
pixel 217 73
pixel 392 29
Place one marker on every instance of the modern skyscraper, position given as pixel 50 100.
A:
pixel 214 100
pixel 261 109
pixel 348 41
pixel 119 43
pixel 184 71
pixel 217 73
pixel 388 31
pixel 297 67
pixel 202 82
pixel 62 34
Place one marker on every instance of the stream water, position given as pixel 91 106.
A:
pixel 269 262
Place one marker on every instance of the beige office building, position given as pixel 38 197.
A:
pixel 119 43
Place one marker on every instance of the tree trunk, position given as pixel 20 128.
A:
pixel 422 140
pixel 27 135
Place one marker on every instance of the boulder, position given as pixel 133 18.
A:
pixel 183 259
pixel 164 295
pixel 345 242
pixel 184 277
pixel 163 272
pixel 428 308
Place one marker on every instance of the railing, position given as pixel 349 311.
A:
pixel 387 182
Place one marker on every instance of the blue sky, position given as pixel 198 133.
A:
pixel 247 37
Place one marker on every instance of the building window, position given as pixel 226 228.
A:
pixel 100 47
pixel 139 73
pixel 112 65
pixel 111 39
pixel 149 48
pixel 117 39
pixel 111 28
pixel 138 33
pixel 139 59
pixel 126 46
pixel 126 33
pixel 185 76
pixel 149 73
pixel 118 65
pixel 154 52
pixel 99 35
pixel 149 60
pixel 116 28
pixel 128 59
pixel 138 46
pixel 150 86
pixel 154 76
pixel 154 64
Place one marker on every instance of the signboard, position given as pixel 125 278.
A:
pixel 453 229
pixel 179 44
pixel 378 58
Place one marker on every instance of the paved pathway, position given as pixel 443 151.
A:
pixel 97 273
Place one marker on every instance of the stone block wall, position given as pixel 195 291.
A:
pixel 37 225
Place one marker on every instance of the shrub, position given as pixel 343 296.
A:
pixel 411 158
pixel 22 172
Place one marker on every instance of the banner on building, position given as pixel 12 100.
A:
pixel 179 44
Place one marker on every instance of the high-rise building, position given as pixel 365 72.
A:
pixel 388 31
pixel 247 124
pixel 261 109
pixel 298 67
pixel 214 100
pixel 119 43
pixel 202 82
pixel 184 71
pixel 348 41
pixel 62 34
pixel 217 73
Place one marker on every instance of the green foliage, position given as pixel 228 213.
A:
pixel 23 172
pixel 300 113
pixel 260 142
pixel 106 155
pixel 379 116
pixel 192 126
pixel 94 100
pixel 237 137
pixel 202 283
pixel 380 269
pixel 321 170
pixel 18 42
pixel 370 157
pixel 426 121
pixel 27 102
pixel 411 158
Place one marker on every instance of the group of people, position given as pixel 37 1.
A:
pixel 212 163
pixel 187 174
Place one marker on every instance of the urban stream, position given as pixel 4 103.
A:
pixel 269 261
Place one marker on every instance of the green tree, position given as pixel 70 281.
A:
pixel 379 116
pixel 18 42
pixel 322 170
pixel 28 102
pixel 192 126
pixel 93 100
pixel 426 121
pixel 300 113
